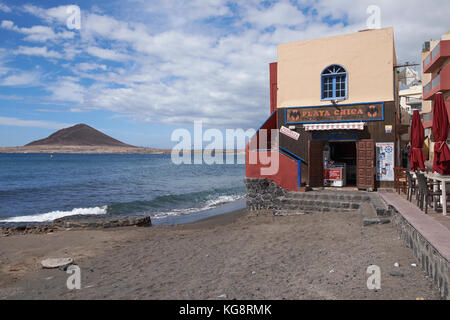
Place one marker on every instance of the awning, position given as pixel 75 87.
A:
pixel 335 126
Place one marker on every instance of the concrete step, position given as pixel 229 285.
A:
pixel 306 210
pixel 302 203
pixel 333 196
pixel 370 215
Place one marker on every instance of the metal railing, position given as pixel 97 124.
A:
pixel 436 51
pixel 427 88
pixel 432 55
pixel 427 116
pixel 436 81
pixel 427 60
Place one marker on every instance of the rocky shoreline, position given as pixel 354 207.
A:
pixel 76 222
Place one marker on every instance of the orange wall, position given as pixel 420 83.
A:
pixel 368 56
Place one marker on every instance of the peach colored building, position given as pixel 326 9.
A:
pixel 339 96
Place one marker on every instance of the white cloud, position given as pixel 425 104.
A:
pixel 21 78
pixel 280 14
pixel 7 121
pixel 176 61
pixel 67 90
pixel 37 51
pixel 4 8
pixel 107 54
pixel 86 66
pixel 56 14
pixel 37 33
pixel 179 13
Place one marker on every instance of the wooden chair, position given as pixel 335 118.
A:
pixel 400 179
pixel 412 187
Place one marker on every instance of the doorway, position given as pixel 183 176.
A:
pixel 343 153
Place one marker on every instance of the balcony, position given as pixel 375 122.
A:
pixel 440 82
pixel 434 60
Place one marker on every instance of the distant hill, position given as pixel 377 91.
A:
pixel 79 135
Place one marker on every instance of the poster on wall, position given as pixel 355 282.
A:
pixel 385 161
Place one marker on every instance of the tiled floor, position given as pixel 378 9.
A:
pixel 438 216
pixel 434 227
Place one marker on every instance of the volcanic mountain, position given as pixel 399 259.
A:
pixel 79 135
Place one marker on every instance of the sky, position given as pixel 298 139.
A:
pixel 138 69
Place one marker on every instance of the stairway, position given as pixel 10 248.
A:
pixel 298 203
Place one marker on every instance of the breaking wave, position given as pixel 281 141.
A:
pixel 50 216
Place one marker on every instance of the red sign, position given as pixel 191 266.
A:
pixel 332 174
pixel 294 135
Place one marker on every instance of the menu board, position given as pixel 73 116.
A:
pixel 385 161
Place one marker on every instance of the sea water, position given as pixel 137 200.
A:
pixel 43 187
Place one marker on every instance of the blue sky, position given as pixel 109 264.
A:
pixel 137 70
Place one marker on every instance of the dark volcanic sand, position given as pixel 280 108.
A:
pixel 317 256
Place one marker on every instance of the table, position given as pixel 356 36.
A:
pixel 443 180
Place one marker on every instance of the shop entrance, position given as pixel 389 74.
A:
pixel 340 163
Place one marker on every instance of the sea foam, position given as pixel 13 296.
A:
pixel 210 204
pixel 50 216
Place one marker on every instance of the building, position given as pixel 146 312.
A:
pixel 411 99
pixel 335 104
pixel 435 78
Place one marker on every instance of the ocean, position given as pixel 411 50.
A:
pixel 36 188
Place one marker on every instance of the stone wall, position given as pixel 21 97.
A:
pixel 432 262
pixel 262 194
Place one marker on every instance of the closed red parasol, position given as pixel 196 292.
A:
pixel 441 162
pixel 417 138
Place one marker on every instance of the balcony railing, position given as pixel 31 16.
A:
pixel 432 55
pixel 441 82
pixel 427 116
pixel 436 81
pixel 435 58
pixel 427 60
pixel 427 88
pixel 436 50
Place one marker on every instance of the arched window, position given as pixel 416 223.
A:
pixel 334 82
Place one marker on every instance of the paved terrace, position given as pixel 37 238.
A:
pixel 427 235
pixel 437 216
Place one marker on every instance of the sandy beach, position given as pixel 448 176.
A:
pixel 239 254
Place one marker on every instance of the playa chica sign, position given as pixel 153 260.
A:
pixel 335 113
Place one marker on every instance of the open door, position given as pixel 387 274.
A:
pixel 365 155
pixel 315 163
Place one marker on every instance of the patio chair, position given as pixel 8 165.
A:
pixel 412 187
pixel 425 192
pixel 400 179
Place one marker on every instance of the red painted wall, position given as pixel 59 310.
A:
pixel 286 177
pixel 273 69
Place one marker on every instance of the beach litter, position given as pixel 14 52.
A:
pixel 222 296
pixel 54 263
pixel 413 265
pixel 396 265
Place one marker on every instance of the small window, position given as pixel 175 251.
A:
pixel 334 83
